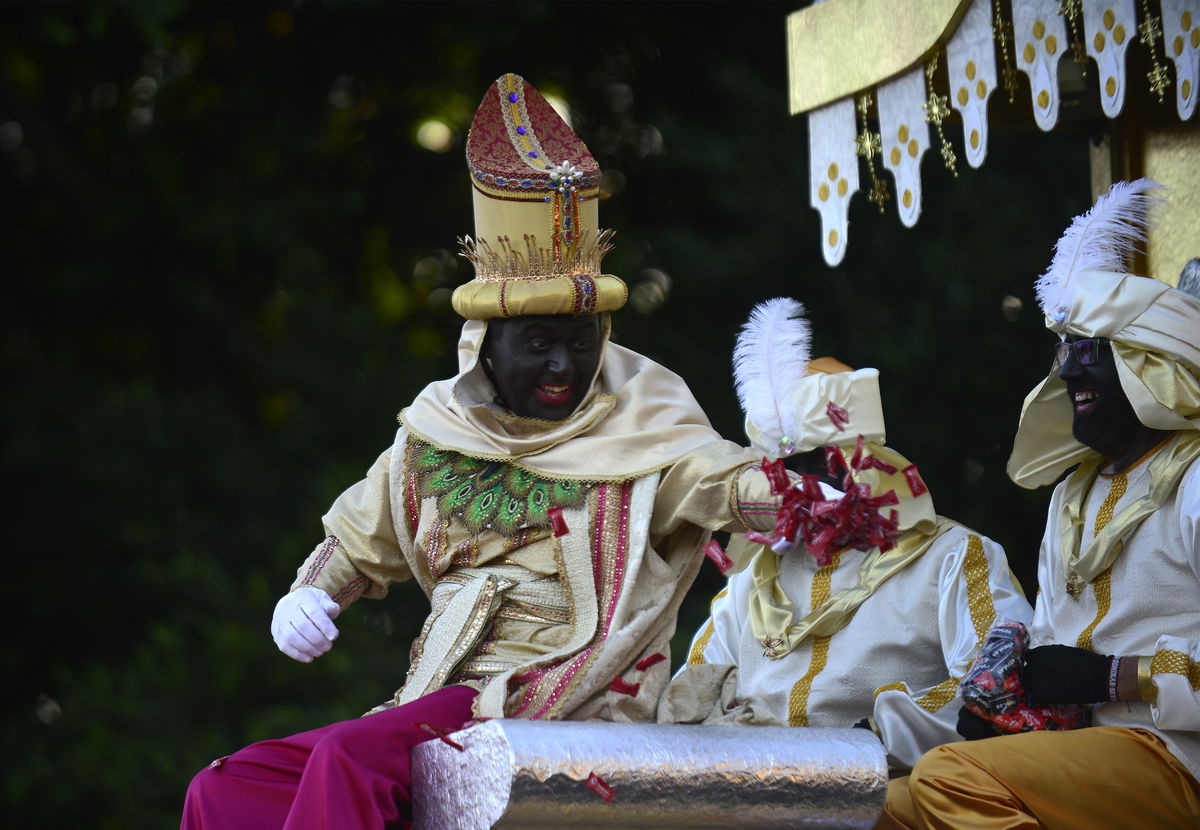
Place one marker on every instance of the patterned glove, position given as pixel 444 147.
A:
pixel 303 623
pixel 1065 674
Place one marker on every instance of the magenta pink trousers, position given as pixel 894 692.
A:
pixel 348 775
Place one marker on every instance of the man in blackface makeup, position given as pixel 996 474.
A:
pixel 1117 621
pixel 552 501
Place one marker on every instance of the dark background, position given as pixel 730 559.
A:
pixel 226 266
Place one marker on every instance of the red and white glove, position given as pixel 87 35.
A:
pixel 303 623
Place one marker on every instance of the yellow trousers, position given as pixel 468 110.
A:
pixel 1102 777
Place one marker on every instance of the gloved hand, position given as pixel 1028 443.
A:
pixel 1065 674
pixel 303 623
pixel 972 727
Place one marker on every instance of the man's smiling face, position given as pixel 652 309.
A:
pixel 1103 417
pixel 543 365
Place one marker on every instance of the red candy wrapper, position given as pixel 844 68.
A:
pixel 557 522
pixel 830 525
pixel 623 687
pixel 714 552
pixel 648 661
pixel 992 688
pixel 873 463
pixel 776 475
pixel 441 734
pixel 599 786
pixel 915 483
pixel 835 461
pixel 837 416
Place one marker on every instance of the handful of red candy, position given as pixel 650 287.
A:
pixel 992 688
pixel 855 520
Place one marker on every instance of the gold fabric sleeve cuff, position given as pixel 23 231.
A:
pixel 1146 688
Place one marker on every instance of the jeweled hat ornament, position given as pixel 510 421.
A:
pixel 537 246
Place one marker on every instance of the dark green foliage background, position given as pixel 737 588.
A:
pixel 225 268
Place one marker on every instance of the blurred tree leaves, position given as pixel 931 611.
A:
pixel 227 264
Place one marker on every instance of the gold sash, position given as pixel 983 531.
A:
pixel 1166 471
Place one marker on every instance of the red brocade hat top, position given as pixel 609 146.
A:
pixel 535 190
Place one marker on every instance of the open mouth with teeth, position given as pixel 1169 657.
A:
pixel 1084 400
pixel 553 394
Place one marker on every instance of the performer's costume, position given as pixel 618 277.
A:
pixel 555 553
pixel 885 635
pixel 1119 574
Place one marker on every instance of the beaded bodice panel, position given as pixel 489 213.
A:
pixel 490 494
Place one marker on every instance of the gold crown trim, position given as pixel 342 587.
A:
pixel 505 262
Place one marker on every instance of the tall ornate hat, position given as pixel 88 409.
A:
pixel 536 187
pixel 1151 325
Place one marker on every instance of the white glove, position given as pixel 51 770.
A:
pixel 303 623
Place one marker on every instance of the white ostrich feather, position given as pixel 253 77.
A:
pixel 769 360
pixel 1103 238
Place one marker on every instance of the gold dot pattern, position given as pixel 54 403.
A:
pixel 696 655
pixel 833 170
pixel 1196 38
pixel 823 192
pixel 1051 45
pixel 970 69
pixel 833 238
pixel 981 89
pixel 902 133
pixel 974 139
pixel 1119 34
pixel 1185 22
pixel 798 699
pixel 1098 41
pixel 1186 89
pixel 842 187
pixel 1102 584
pixel 895 156
pixel 1109 19
pixel 1178 45
pixel 1030 53
pixel 1043 99
pixel 963 96
pixel 913 147
pixel 1110 86
pixel 1169 661
pixel 1039 29
pixel 908 198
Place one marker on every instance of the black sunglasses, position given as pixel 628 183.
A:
pixel 1086 351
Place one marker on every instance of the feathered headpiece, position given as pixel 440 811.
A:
pixel 1102 239
pixel 769 360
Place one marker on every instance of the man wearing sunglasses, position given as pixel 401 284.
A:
pixel 1117 622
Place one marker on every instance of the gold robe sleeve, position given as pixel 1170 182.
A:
pixel 361 554
pixel 719 486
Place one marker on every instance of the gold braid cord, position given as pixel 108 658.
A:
pixel 1003 35
pixel 1071 10
pixel 937 109
pixel 1150 31
pixel 869 145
